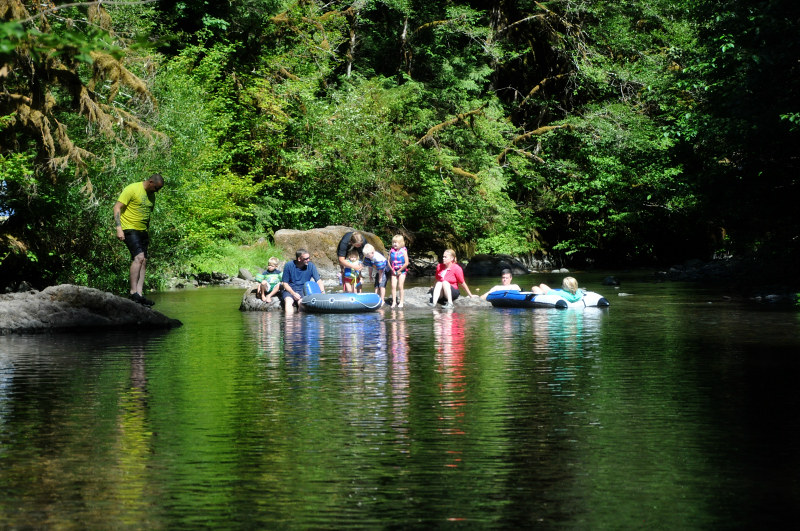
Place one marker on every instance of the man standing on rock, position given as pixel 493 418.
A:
pixel 132 219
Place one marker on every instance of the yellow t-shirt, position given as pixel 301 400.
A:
pixel 138 206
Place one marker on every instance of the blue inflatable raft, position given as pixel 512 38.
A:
pixel 527 299
pixel 315 301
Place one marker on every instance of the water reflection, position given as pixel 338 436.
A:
pixel 647 412
pixel 362 349
pixel 6 379
pixel 269 335
pixel 399 378
pixel 302 341
pixel 73 428
pixel 134 443
pixel 448 333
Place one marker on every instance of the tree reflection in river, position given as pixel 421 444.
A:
pixel 134 443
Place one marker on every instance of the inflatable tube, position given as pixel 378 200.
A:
pixel 316 302
pixel 341 302
pixel 526 299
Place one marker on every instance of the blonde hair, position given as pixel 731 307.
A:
pixel 570 284
pixel 368 248
pixel 273 261
pixel 451 253
pixel 398 238
pixel 353 254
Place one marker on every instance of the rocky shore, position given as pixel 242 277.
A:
pixel 73 308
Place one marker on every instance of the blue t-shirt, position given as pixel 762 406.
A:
pixel 377 261
pixel 296 277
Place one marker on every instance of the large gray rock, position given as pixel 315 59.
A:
pixel 419 298
pixel 491 265
pixel 251 303
pixel 321 245
pixel 67 307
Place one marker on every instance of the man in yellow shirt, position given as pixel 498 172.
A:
pixel 132 219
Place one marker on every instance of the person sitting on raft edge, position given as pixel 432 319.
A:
pixel 295 274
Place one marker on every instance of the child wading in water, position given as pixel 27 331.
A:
pixel 398 263
pixel 375 260
pixel 352 276
pixel 269 282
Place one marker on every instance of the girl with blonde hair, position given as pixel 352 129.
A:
pixel 569 290
pixel 398 264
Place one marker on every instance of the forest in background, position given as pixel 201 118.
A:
pixel 596 133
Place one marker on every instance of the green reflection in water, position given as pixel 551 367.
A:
pixel 645 414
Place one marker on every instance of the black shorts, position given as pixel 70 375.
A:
pixel 284 295
pixel 454 294
pixel 137 241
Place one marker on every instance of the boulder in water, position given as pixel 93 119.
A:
pixel 67 307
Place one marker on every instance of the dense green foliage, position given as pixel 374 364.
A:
pixel 594 132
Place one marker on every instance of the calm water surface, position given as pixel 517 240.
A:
pixel 674 408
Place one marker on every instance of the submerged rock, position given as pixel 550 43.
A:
pixel 67 307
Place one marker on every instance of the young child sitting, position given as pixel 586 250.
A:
pixel 352 275
pixel 269 282
pixel 377 262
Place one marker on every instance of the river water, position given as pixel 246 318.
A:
pixel 675 408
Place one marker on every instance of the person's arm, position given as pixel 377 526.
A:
pixel 344 262
pixel 492 289
pixel 406 261
pixel 466 288
pixel 316 276
pixel 118 209
pixel 293 293
pixel 459 273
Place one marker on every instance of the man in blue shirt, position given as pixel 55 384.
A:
pixel 295 275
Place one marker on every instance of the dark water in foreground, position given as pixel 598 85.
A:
pixel 674 408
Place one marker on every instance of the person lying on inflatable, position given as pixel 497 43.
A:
pixel 569 291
